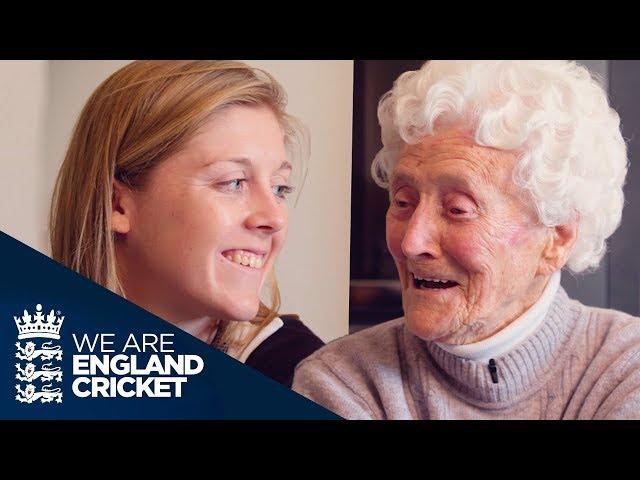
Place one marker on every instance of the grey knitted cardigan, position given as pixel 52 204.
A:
pixel 580 363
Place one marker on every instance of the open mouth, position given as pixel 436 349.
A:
pixel 432 283
pixel 246 258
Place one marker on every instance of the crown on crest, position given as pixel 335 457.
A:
pixel 39 326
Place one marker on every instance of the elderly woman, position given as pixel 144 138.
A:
pixel 499 175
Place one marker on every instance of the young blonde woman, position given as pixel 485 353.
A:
pixel 172 194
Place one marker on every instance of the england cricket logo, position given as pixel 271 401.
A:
pixel 34 327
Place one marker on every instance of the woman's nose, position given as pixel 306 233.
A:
pixel 267 212
pixel 421 235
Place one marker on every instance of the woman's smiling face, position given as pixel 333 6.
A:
pixel 467 247
pixel 201 234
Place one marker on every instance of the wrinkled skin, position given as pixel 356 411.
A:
pixel 456 214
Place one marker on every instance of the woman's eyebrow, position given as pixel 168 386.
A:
pixel 447 179
pixel 401 176
pixel 285 166
pixel 244 161
pixel 240 160
pixel 457 181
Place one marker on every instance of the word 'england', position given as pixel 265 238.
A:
pixel 103 372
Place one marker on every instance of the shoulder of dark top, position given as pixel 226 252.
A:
pixel 278 355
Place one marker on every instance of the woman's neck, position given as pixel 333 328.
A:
pixel 514 333
pixel 204 328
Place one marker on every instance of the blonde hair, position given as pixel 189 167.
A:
pixel 135 119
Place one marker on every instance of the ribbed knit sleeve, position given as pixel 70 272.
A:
pixel 315 380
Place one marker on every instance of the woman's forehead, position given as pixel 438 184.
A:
pixel 259 143
pixel 455 160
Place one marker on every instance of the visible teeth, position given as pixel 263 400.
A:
pixel 245 258
pixel 431 280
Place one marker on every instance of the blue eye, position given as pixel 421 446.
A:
pixel 234 185
pixel 281 191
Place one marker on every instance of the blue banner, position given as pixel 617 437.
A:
pixel 71 349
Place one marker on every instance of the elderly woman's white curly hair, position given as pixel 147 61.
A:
pixel 573 159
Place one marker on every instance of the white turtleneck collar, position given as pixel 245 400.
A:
pixel 514 333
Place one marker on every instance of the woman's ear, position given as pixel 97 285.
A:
pixel 122 208
pixel 558 248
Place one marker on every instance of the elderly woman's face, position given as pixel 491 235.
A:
pixel 211 219
pixel 467 248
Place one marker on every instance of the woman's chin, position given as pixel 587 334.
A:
pixel 241 311
pixel 243 317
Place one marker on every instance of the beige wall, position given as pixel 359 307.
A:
pixel 313 269
pixel 23 89
pixel 70 83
